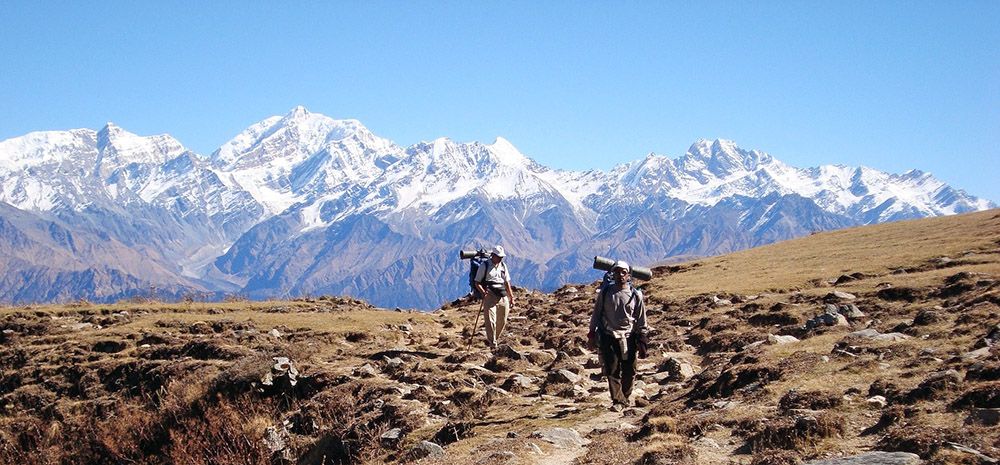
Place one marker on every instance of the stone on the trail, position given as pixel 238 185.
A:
pixel 535 449
pixel 780 339
pixel 507 351
pixel 679 369
pixel 720 302
pixel 563 376
pixel 365 371
pixel 561 437
pixel 518 382
pixel 427 449
pixel 827 319
pixel 393 364
pixel 977 354
pixel 873 334
pixel 871 458
pixel 392 435
pixel 876 401
pixel 405 328
pixel 851 311
pixel 840 295
pixel 275 333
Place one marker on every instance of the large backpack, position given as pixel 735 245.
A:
pixel 482 258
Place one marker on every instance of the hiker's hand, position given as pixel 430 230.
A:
pixel 592 340
pixel 642 350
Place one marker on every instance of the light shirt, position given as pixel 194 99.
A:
pixel 493 274
pixel 619 312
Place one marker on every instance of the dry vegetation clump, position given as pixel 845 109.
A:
pixel 796 433
pixel 610 448
pixel 810 400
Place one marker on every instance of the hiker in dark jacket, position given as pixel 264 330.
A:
pixel 493 281
pixel 618 329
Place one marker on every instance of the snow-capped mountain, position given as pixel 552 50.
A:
pixel 306 204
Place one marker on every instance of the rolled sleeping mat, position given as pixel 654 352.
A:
pixel 606 264
pixel 466 254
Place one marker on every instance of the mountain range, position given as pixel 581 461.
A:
pixel 303 204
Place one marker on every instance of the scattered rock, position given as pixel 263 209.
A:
pixel 518 383
pixel 561 437
pixel 839 295
pixel 678 369
pixel 275 333
pixel 365 371
pixel 427 449
pixel 871 458
pixel 781 340
pixel 876 402
pixel 873 334
pixel 827 319
pixel 283 372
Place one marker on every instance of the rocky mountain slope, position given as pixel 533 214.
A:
pixel 291 205
pixel 878 344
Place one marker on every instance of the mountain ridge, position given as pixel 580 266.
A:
pixel 304 173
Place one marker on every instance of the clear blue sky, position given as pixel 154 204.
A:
pixel 578 85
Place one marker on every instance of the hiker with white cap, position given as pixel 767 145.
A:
pixel 493 281
pixel 618 330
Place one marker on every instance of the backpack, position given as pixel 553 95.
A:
pixel 482 258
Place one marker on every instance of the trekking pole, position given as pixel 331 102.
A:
pixel 482 305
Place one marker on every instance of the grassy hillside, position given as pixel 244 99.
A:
pixel 738 373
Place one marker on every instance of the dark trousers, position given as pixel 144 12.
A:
pixel 619 369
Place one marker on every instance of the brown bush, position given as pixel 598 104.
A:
pixel 812 400
pixel 796 433
pixel 227 433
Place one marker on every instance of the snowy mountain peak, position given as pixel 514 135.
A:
pixel 118 147
pixel 507 154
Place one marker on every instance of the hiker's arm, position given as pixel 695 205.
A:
pixel 595 319
pixel 510 292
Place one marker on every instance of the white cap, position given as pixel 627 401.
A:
pixel 621 264
pixel 498 251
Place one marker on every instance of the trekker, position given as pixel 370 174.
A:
pixel 493 282
pixel 618 329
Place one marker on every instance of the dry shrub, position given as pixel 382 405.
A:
pixel 227 433
pixel 669 450
pixel 811 400
pixel 794 434
pixel 609 448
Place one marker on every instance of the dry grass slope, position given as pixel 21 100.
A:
pixel 742 371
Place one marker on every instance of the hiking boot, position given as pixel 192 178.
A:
pixel 618 407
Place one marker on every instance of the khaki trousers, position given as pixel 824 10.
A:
pixel 494 316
